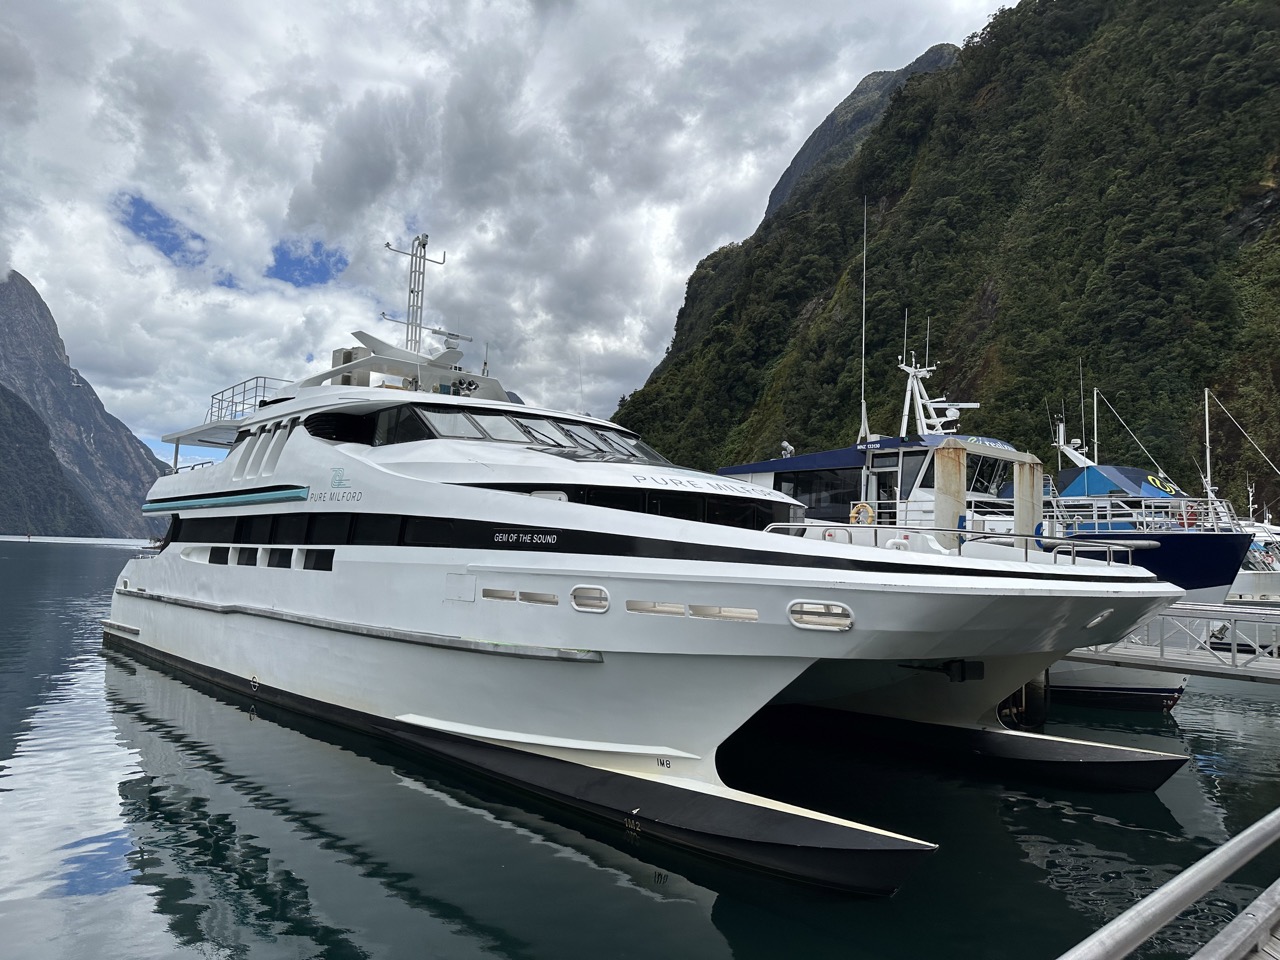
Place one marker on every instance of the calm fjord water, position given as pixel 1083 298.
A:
pixel 144 816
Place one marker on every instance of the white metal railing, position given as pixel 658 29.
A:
pixel 1064 517
pixel 893 536
pixel 1076 515
pixel 241 399
pixel 1149 916
pixel 1225 634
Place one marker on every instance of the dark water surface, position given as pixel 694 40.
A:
pixel 143 816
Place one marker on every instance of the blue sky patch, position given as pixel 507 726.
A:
pixel 306 266
pixel 175 240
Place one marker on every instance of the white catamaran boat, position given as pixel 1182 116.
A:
pixel 541 597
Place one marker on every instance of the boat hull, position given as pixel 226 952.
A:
pixel 1204 563
pixel 723 823
pixel 1112 687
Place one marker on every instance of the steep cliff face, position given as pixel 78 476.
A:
pixel 838 137
pixel 108 466
pixel 39 498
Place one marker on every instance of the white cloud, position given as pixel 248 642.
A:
pixel 574 160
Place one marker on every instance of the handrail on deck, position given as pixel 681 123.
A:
pixel 1042 544
pixel 1153 913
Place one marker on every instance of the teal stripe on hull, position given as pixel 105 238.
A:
pixel 229 500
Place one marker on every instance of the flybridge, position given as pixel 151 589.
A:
pixel 439 374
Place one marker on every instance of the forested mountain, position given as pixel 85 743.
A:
pixel 1091 186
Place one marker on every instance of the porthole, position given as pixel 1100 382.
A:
pixel 589 599
pixel 545 599
pixel 818 615
pixel 489 593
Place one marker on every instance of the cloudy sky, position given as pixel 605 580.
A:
pixel 202 192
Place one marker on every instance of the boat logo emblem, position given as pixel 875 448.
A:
pixel 339 479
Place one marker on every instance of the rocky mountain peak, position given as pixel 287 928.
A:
pixel 110 468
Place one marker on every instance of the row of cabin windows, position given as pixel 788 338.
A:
pixel 406 423
pixel 301 529
pixel 383 529
pixel 276 557
pixel 680 504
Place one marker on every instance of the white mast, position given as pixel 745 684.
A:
pixel 418 261
pixel 864 432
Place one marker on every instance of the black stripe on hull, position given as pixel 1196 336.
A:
pixel 482 535
pixel 783 844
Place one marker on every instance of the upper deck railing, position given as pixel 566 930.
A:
pixel 241 399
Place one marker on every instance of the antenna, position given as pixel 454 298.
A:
pixel 1208 466
pixel 1083 423
pixel 864 432
pixel 418 261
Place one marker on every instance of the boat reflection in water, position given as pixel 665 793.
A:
pixel 250 832
pixel 265 832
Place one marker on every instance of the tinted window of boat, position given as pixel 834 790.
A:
pixel 279 558
pixel 734 512
pixel 986 474
pixel 451 423
pixel 400 424
pixel 616 499
pixel 544 432
pixel 254 529
pixel 829 491
pixel 328 528
pixel 583 436
pixel 290 528
pixel 912 461
pixel 682 506
pixel 500 427
pixel 428 532
pixel 317 560
pixel 639 449
pixel 218 554
pixel 615 444
pixel 208 529
pixel 376 528
pixel 341 427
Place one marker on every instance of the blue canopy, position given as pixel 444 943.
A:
pixel 1106 481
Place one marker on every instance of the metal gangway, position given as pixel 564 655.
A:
pixel 1225 640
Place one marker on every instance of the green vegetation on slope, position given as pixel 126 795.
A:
pixel 1093 182
pixel 39 499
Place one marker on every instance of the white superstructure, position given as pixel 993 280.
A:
pixel 540 595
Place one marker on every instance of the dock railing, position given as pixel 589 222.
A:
pixel 1153 913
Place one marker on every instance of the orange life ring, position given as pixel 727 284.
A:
pixel 1188 517
pixel 862 513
